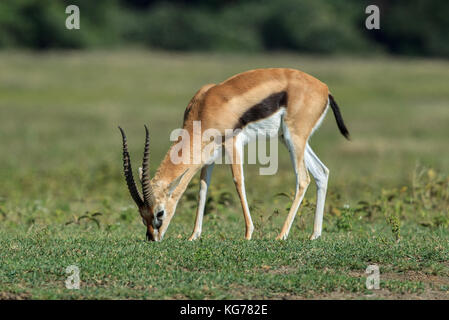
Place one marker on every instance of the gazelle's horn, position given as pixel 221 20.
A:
pixel 129 173
pixel 146 186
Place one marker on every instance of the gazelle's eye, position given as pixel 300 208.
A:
pixel 160 214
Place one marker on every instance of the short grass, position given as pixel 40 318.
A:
pixel 63 200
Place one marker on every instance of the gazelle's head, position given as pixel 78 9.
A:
pixel 156 207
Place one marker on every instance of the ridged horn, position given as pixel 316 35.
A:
pixel 129 173
pixel 146 186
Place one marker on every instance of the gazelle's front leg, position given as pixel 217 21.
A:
pixel 236 154
pixel 206 173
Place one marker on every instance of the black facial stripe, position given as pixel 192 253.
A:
pixel 263 109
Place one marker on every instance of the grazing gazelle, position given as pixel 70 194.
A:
pixel 285 99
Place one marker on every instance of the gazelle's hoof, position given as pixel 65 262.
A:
pixel 315 236
pixel 194 236
pixel 249 232
pixel 281 237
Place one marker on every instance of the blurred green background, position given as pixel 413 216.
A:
pixel 408 27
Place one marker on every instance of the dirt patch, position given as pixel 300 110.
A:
pixel 384 294
pixel 430 283
pixel 178 296
pixel 7 295
pixel 416 276
pixel 280 270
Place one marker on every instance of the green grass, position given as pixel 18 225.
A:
pixel 60 163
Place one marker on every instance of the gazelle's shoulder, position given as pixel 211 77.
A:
pixel 194 102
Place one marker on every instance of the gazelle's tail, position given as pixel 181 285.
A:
pixel 340 123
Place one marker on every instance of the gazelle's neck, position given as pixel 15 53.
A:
pixel 168 171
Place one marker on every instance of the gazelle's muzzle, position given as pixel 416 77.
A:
pixel 153 235
pixel 150 236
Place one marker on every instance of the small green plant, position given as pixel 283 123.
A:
pixel 395 224
pixel 441 220
pixel 127 214
pixel 259 223
pixel 345 219
pixel 290 196
pixel 90 217
pixel 218 197
pixel 306 207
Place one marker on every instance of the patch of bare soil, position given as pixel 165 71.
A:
pixel 430 293
pixel 385 294
pixel 7 295
pixel 381 294
pixel 429 281
pixel 280 270
pixel 417 276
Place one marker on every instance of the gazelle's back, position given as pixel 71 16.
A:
pixel 254 95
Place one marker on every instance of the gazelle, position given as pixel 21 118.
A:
pixel 285 99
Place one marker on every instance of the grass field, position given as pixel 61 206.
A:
pixel 63 200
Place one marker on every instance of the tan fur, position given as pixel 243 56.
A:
pixel 220 107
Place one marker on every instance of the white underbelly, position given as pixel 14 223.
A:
pixel 268 127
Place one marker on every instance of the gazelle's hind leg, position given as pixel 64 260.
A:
pixel 236 154
pixel 206 173
pixel 321 174
pixel 296 150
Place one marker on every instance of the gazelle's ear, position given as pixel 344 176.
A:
pixel 172 186
pixel 140 173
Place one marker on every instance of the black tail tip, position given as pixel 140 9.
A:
pixel 346 134
pixel 338 118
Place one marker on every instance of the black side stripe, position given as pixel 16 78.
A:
pixel 263 109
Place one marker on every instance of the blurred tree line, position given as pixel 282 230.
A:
pixel 409 27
